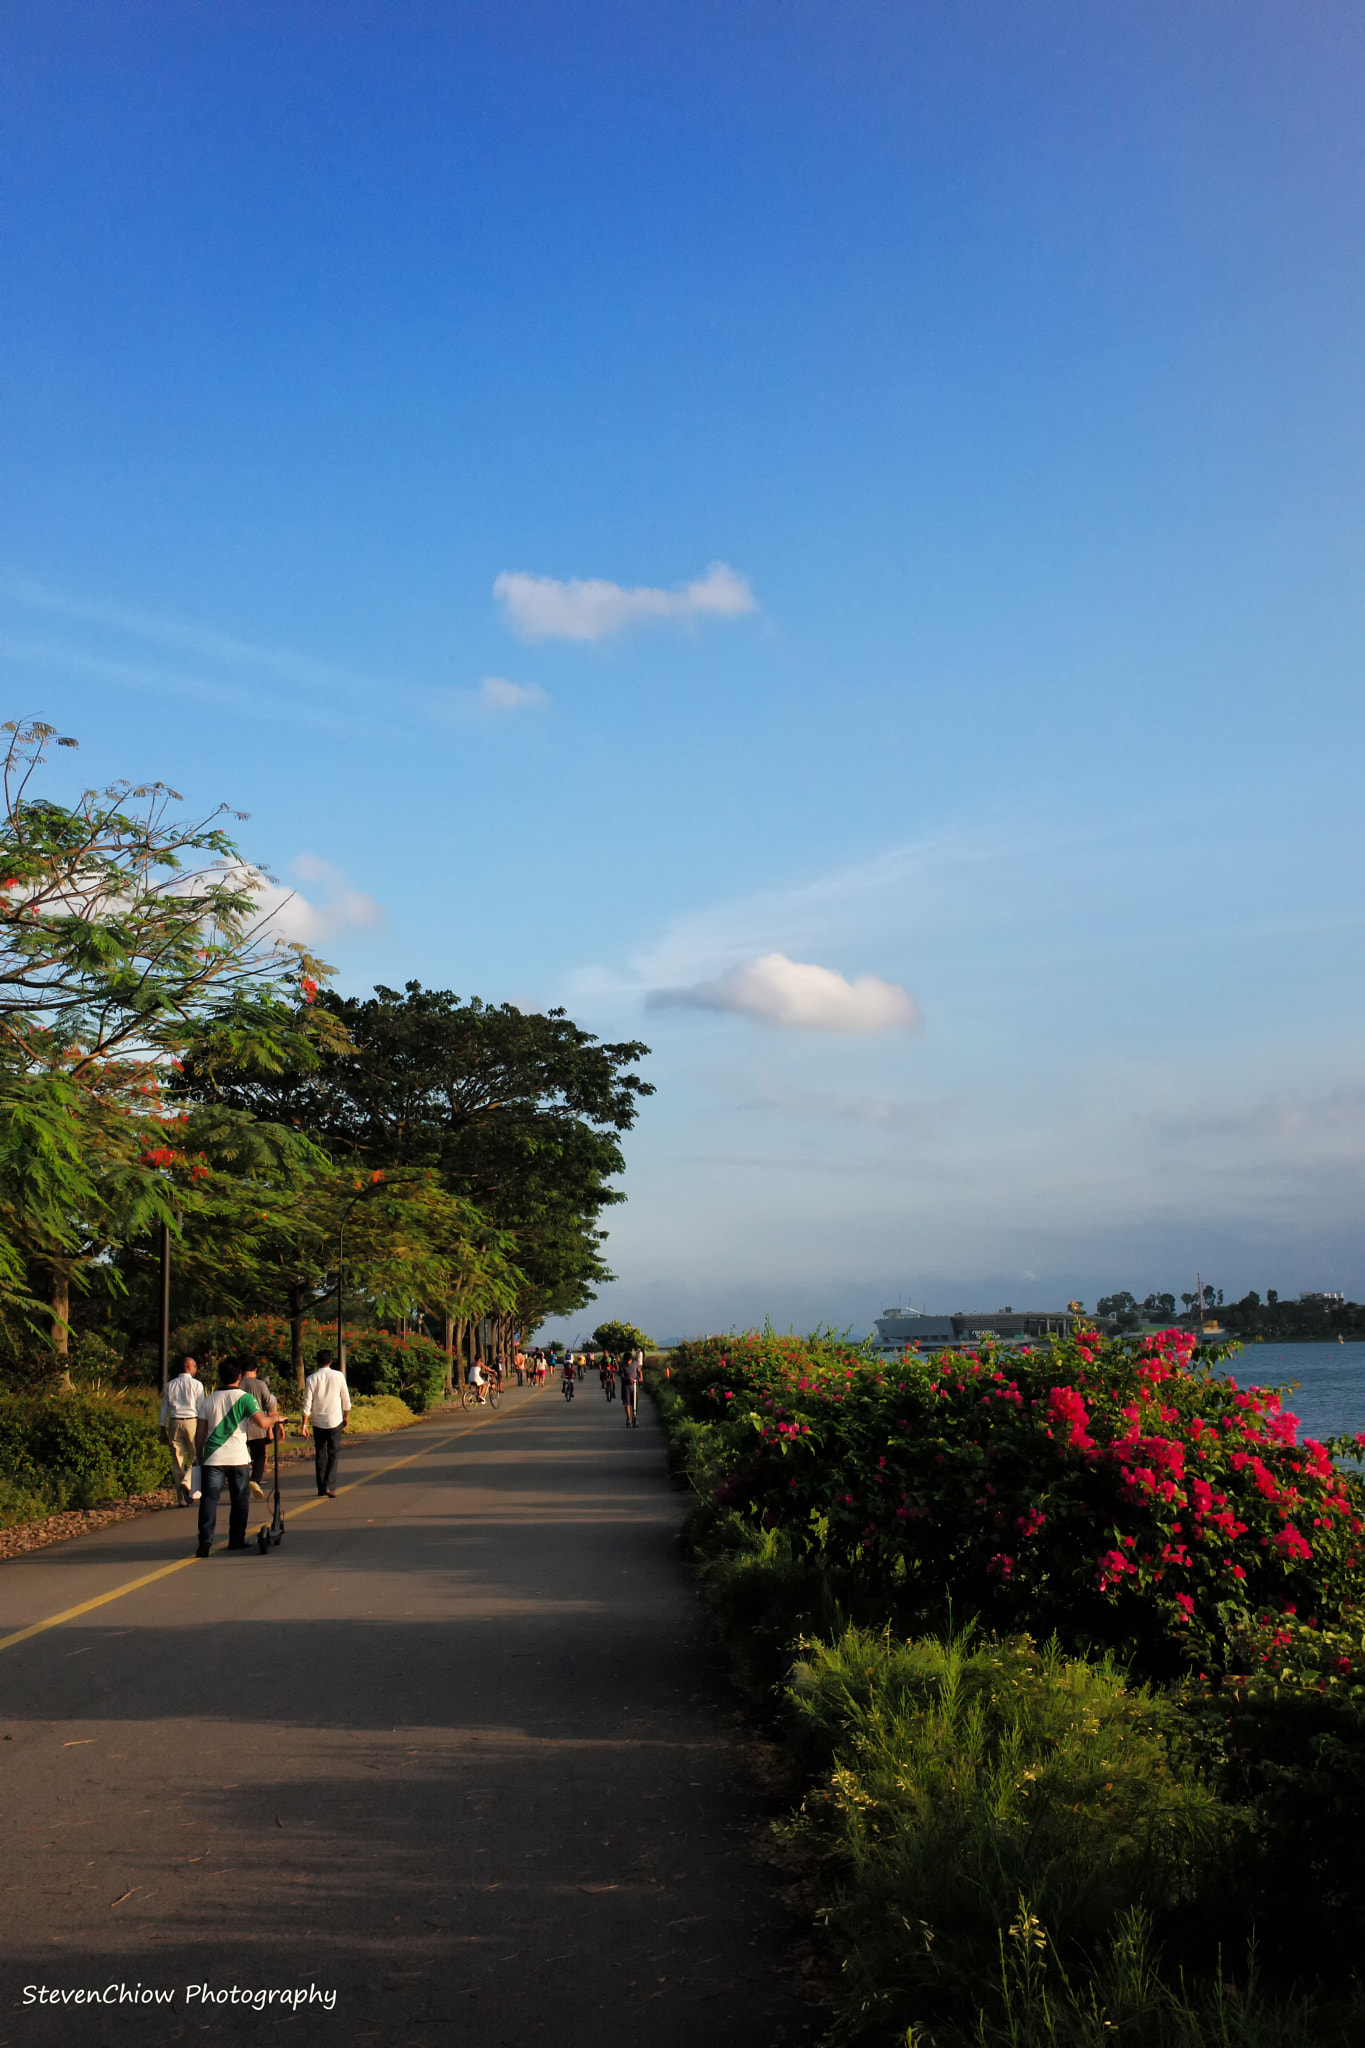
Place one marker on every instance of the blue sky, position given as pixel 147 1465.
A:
pixel 961 406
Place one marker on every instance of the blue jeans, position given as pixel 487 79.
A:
pixel 212 1480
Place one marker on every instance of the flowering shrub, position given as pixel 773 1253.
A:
pixel 1124 1494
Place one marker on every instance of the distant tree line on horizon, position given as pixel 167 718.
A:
pixel 1308 1315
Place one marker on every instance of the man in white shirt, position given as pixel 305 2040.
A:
pixel 223 1456
pixel 326 1405
pixel 182 1404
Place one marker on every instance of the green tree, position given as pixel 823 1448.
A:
pixel 619 1339
pixel 121 930
pixel 122 927
pixel 518 1112
pixel 264 1232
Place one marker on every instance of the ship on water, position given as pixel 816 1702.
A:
pixel 898 1329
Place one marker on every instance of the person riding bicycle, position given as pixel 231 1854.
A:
pixel 478 1379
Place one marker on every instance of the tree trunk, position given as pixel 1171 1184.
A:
pixel 296 1332
pixel 449 1349
pixel 61 1328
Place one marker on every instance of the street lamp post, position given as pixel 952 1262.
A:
pixel 165 1328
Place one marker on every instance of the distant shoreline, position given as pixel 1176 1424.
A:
pixel 1343 1341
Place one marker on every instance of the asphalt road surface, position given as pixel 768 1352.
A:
pixel 458 1756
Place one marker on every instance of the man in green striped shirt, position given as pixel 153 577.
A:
pixel 224 1458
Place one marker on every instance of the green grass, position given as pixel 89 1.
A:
pixel 962 1788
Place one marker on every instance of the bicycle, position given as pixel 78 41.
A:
pixel 486 1396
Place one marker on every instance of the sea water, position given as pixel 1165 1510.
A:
pixel 1330 1397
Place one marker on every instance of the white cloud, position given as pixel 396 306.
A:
pixel 497 694
pixel 544 608
pixel 339 908
pixel 795 994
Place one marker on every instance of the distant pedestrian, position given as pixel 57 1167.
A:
pixel 632 1372
pixel 327 1404
pixel 223 1457
pixel 260 1428
pixel 182 1404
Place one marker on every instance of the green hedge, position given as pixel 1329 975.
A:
pixel 413 1368
pixel 72 1450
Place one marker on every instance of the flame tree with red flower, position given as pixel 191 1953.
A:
pixel 123 929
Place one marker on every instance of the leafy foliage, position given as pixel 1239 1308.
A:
pixel 618 1339
pixel 80 1450
pixel 118 926
pixel 955 1779
pixel 411 1366
pixel 516 1112
pixel 120 930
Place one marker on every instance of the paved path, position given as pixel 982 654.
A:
pixel 458 1752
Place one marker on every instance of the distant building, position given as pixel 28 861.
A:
pixel 898 1328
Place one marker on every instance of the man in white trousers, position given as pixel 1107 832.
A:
pixel 182 1404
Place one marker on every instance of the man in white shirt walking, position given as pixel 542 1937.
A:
pixel 182 1404
pixel 326 1405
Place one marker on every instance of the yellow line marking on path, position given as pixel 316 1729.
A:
pixel 37 1628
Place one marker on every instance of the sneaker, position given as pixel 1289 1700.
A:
pixel 203 1550
pixel 259 1491
pixel 331 1493
pixel 196 1496
pixel 238 1546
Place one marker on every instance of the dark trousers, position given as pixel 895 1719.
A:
pixel 326 1455
pixel 212 1480
pixel 256 1450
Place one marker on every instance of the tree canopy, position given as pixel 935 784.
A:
pixel 519 1112
pixel 618 1339
pixel 166 1058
